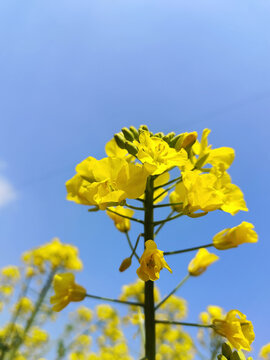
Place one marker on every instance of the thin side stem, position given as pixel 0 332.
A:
pixel 134 207
pixel 173 291
pixel 167 219
pixel 168 183
pixel 187 250
pixel 133 249
pixel 114 300
pixel 167 322
pixel 165 205
pixel 161 225
pixel 166 190
pixel 125 216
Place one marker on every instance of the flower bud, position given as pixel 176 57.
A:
pixel 127 134
pixel 144 127
pixel 125 264
pixel 159 134
pixel 120 140
pixel 222 357
pixel 174 140
pixel 134 132
pixel 131 148
pixel 226 350
pixel 168 137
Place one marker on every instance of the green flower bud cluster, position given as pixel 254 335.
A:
pixel 125 139
pixel 228 354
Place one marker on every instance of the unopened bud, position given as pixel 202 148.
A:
pixel 131 148
pixel 190 139
pixel 168 137
pixel 222 357
pixel 226 350
pixel 144 127
pixel 237 355
pixel 125 264
pixel 201 161
pixel 120 140
pixel 159 134
pixel 134 132
pixel 127 134
pixel 174 140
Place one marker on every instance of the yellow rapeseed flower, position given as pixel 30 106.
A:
pixel 201 261
pixel 24 305
pixel 11 273
pixel 157 156
pixel 121 223
pixel 222 156
pixel 207 192
pixel 265 352
pixel 66 291
pixel 232 237
pixel 151 262
pixel 84 314
pixel 106 182
pixel 113 150
pixel 55 253
pixel 236 328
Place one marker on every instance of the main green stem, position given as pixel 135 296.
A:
pixel 149 305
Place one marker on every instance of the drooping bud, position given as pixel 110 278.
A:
pixel 127 134
pixel 134 132
pixel 186 140
pixel 120 140
pixel 131 148
pixel 125 264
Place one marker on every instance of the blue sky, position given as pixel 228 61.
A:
pixel 74 72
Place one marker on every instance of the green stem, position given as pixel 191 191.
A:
pixel 149 307
pixel 30 321
pixel 125 216
pixel 168 183
pixel 166 190
pixel 182 323
pixel 161 225
pixel 133 249
pixel 173 291
pixel 134 207
pixel 165 205
pixel 114 300
pixel 167 219
pixel 187 250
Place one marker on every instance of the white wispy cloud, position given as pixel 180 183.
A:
pixel 7 192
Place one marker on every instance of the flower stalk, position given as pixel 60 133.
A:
pixel 149 307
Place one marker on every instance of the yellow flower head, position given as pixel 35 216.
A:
pixel 151 262
pixel 56 254
pixel 157 156
pixel 220 157
pixel 24 305
pixel 208 192
pixel 236 328
pixel 200 263
pixel 121 223
pixel 106 182
pixel 265 352
pixel 66 291
pixel 232 237
pixel 84 314
pixel 11 273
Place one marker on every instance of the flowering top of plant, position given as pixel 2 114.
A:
pixel 55 254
